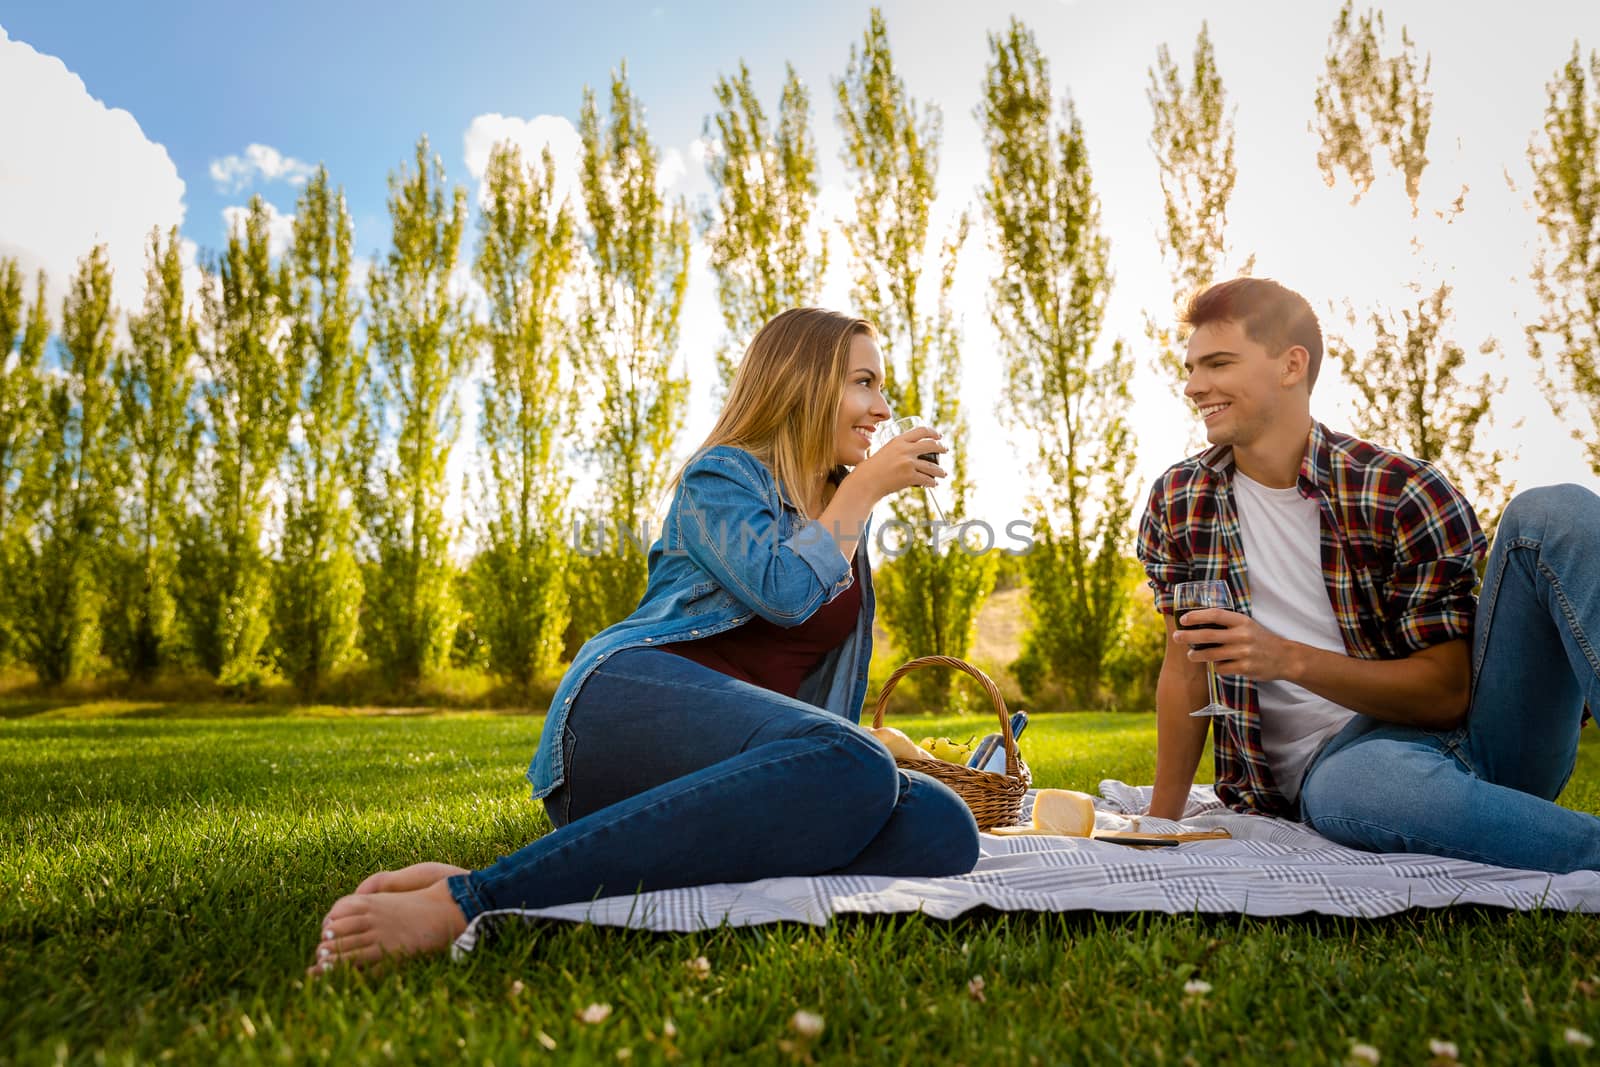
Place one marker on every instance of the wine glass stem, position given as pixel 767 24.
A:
pixel 1211 684
pixel 937 510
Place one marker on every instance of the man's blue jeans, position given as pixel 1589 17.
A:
pixel 1487 791
pixel 678 775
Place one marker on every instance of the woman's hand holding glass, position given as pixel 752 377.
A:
pixel 910 437
pixel 900 457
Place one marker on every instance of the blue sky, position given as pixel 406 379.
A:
pixel 354 84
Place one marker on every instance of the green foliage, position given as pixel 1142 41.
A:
pixel 765 179
pixel 526 250
pixel 421 339
pixel 159 438
pixel 629 303
pixel 1048 306
pixel 1367 103
pixel 249 400
pixel 930 597
pixel 1414 397
pixel 317 588
pixel 1191 137
pixel 24 331
pixel 1565 341
pixel 72 484
pixel 1134 665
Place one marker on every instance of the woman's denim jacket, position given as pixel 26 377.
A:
pixel 732 547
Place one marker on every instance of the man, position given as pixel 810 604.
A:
pixel 1378 699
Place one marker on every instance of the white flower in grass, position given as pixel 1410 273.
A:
pixel 1578 1039
pixel 516 988
pixel 975 988
pixel 699 967
pixel 1444 1050
pixel 595 1013
pixel 624 1054
pixel 1364 1053
pixel 806 1023
pixel 546 1040
pixel 669 1030
pixel 1196 987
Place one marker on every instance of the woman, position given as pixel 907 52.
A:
pixel 710 736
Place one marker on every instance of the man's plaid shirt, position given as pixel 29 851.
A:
pixel 1400 548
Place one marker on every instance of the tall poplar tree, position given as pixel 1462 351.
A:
pixel 1048 305
pixel 24 331
pixel 73 483
pixel 526 249
pixel 930 595
pixel 159 437
pixel 1565 160
pixel 629 303
pixel 1414 397
pixel 1414 376
pixel 1369 104
pixel 1191 135
pixel 248 398
pixel 421 341
pixel 758 229
pixel 317 595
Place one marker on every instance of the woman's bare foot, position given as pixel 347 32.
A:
pixel 416 876
pixel 364 928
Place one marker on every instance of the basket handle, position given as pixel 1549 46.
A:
pixel 1013 767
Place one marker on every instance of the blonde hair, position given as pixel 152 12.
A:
pixel 784 403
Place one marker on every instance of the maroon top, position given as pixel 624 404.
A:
pixel 778 657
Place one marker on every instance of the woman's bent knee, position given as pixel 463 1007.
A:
pixel 855 757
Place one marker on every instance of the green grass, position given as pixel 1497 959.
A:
pixel 162 870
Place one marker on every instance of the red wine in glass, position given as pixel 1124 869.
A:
pixel 1192 596
pixel 1202 626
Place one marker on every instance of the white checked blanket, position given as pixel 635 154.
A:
pixel 1268 867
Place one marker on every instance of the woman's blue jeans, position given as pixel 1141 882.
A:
pixel 678 775
pixel 1487 791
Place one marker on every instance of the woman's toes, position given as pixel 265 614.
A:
pixel 345 927
pixel 363 929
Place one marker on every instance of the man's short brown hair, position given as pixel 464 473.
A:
pixel 1273 316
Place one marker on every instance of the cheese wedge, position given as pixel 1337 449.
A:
pixel 1063 811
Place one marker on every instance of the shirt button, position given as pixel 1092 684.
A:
pixel 694 631
pixel 648 640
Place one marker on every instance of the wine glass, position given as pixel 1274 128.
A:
pixel 888 431
pixel 1192 596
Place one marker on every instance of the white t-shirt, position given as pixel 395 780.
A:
pixel 1282 535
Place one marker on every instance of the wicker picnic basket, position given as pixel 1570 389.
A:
pixel 995 799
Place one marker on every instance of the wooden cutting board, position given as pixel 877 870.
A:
pixel 1128 837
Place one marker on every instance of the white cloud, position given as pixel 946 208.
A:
pixel 235 173
pixel 75 173
pixel 671 170
pixel 280 227
pixel 532 136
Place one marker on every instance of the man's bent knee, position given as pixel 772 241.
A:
pixel 1549 507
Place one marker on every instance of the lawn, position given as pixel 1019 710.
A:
pixel 162 870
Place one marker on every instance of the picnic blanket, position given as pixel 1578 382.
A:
pixel 1268 867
